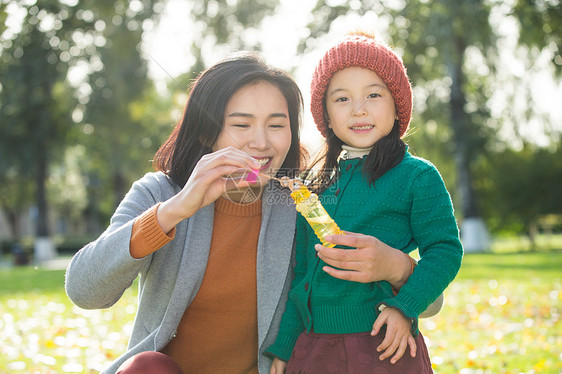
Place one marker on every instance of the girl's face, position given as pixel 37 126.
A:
pixel 257 122
pixel 360 107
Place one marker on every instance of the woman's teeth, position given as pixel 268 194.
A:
pixel 263 161
pixel 362 127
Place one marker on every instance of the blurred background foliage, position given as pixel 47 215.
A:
pixel 81 118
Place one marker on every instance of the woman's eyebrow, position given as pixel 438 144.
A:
pixel 240 114
pixel 275 115
pixel 249 115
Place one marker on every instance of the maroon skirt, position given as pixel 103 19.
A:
pixel 352 354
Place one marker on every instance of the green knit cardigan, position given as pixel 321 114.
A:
pixel 408 208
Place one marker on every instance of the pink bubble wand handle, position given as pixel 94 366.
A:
pixel 252 177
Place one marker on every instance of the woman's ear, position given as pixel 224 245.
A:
pixel 205 143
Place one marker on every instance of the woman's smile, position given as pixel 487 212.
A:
pixel 264 161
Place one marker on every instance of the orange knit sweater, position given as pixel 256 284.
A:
pixel 218 331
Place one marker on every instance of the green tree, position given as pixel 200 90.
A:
pixel 519 187
pixel 541 21
pixel 226 24
pixel 33 102
pixel 41 97
pixel 117 78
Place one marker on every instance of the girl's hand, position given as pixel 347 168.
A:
pixel 370 261
pixel 278 366
pixel 206 184
pixel 398 336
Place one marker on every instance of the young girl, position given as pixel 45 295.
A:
pixel 361 103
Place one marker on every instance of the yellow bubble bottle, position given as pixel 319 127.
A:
pixel 308 204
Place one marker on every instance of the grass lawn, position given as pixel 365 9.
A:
pixel 501 315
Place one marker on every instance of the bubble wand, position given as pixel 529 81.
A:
pixel 307 204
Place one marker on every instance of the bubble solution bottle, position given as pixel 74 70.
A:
pixel 312 210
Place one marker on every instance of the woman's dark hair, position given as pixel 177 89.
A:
pixel 386 154
pixel 203 117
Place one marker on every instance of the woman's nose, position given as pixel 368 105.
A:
pixel 259 140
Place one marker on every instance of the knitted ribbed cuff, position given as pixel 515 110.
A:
pixel 147 235
pixel 409 308
pixel 282 348
pixel 413 264
pixel 278 352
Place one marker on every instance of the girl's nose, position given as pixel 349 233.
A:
pixel 359 109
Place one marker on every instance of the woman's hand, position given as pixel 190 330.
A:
pixel 370 261
pixel 278 366
pixel 397 337
pixel 206 184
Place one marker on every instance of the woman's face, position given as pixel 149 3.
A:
pixel 257 122
pixel 360 107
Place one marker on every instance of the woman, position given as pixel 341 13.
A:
pixel 213 251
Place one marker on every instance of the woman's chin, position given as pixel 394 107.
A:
pixel 246 195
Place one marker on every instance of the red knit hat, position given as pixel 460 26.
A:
pixel 364 51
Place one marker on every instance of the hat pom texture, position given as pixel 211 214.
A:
pixel 364 51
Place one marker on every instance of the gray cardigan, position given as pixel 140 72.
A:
pixel 99 273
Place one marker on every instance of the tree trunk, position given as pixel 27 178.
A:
pixel 459 123
pixel 532 232
pixel 44 249
pixel 119 187
pixel 473 230
pixel 13 217
pixel 42 228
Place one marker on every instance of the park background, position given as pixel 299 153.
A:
pixel 90 89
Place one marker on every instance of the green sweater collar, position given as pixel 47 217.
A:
pixel 358 161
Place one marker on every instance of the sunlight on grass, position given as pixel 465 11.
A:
pixel 491 326
pixel 43 332
pixel 501 315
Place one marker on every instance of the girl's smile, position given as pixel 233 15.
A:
pixel 361 128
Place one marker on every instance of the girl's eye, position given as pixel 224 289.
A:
pixel 374 95
pixel 241 125
pixel 341 99
pixel 277 126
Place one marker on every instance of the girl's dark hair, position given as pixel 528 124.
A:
pixel 203 117
pixel 386 154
